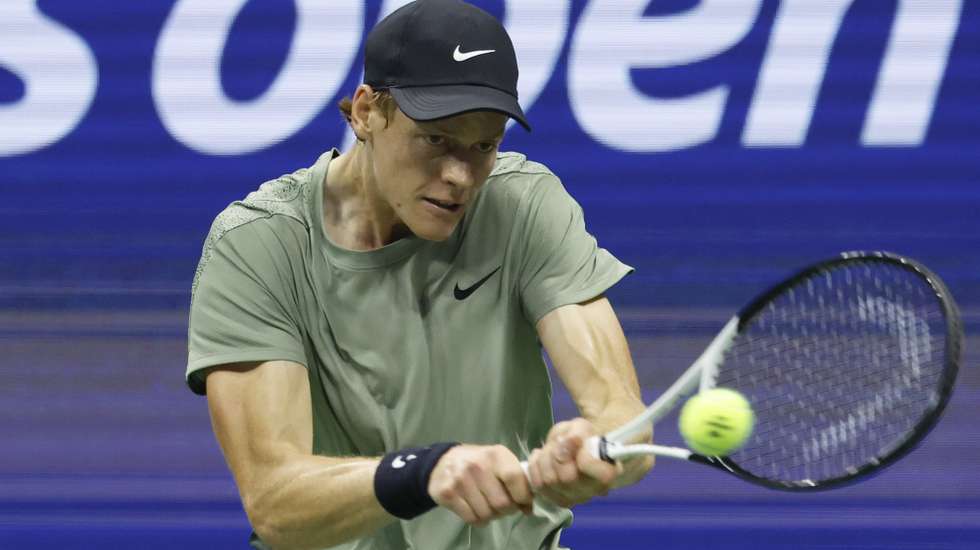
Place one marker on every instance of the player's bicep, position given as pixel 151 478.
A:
pixel 261 415
pixel 243 306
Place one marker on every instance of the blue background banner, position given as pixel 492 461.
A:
pixel 118 203
pixel 715 145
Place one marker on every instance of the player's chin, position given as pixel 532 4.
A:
pixel 437 227
pixel 434 230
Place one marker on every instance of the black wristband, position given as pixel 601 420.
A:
pixel 401 482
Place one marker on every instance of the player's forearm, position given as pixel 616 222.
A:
pixel 589 350
pixel 590 354
pixel 619 411
pixel 316 502
pixel 597 369
pixel 608 414
pixel 609 406
pixel 617 402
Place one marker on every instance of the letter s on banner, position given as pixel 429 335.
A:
pixel 613 38
pixel 60 74
pixel 187 80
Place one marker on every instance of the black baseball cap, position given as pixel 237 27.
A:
pixel 441 58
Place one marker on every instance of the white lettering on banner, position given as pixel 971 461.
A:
pixel 60 72
pixel 187 80
pixel 60 76
pixel 614 38
pixel 792 70
pixel 537 28
pixel 796 61
pixel 911 73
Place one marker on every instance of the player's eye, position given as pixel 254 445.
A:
pixel 486 146
pixel 435 140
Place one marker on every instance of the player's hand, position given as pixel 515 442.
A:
pixel 480 483
pixel 564 471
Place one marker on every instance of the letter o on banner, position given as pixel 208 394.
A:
pixel 187 81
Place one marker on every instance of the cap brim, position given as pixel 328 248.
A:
pixel 424 103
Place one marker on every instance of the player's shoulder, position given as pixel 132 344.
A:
pixel 271 221
pixel 518 170
pixel 283 196
pixel 511 163
pixel 514 178
pixel 276 205
pixel 515 188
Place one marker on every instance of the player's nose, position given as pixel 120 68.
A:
pixel 458 172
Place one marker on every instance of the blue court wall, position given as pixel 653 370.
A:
pixel 714 144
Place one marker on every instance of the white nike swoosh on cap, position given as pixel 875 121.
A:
pixel 460 56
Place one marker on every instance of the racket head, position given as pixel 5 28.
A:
pixel 848 363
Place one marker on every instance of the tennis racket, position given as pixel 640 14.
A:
pixel 848 364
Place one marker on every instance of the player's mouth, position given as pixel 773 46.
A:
pixel 446 206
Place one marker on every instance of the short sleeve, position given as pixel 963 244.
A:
pixel 242 306
pixel 561 263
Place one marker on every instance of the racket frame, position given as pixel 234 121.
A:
pixel 703 372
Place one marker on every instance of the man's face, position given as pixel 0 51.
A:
pixel 428 173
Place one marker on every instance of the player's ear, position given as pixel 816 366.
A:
pixel 364 115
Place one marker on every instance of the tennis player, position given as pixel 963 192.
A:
pixel 368 330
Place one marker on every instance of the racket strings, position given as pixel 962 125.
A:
pixel 840 368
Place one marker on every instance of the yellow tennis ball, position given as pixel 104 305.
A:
pixel 716 422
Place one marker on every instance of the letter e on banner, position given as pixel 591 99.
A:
pixel 613 38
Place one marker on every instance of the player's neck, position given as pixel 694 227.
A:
pixel 354 215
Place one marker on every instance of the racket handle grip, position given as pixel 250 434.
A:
pixel 598 446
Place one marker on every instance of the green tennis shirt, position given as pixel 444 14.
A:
pixel 412 343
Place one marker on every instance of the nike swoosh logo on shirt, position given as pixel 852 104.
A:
pixel 460 56
pixel 462 294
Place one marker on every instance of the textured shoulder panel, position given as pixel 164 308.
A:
pixel 510 162
pixel 285 196
pixel 500 201
pixel 513 176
